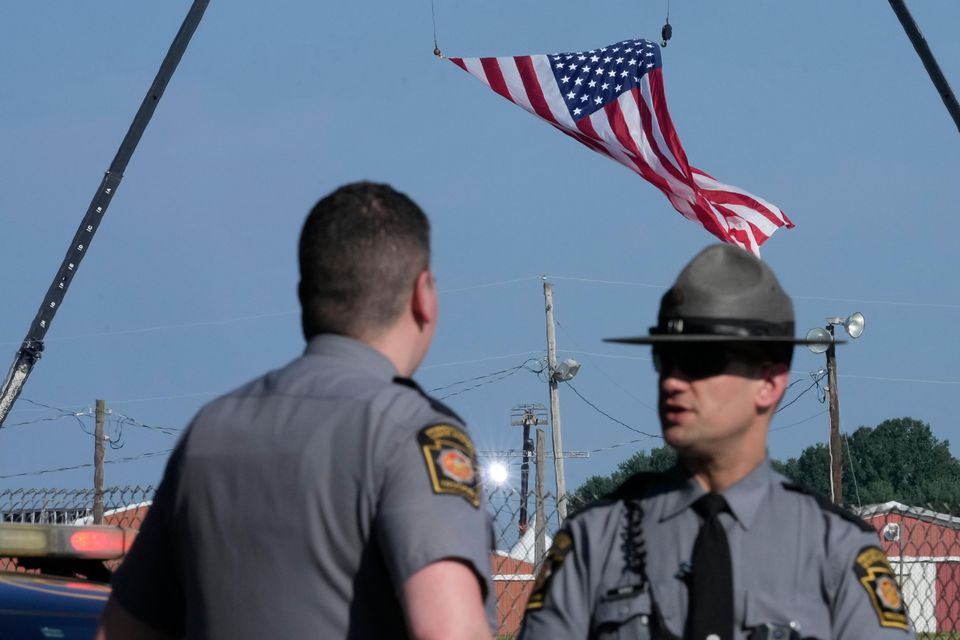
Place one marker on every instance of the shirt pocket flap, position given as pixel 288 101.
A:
pixel 809 616
pixel 616 610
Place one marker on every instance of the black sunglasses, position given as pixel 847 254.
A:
pixel 700 361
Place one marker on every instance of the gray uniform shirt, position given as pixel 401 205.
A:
pixel 298 505
pixel 797 562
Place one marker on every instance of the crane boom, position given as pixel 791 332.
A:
pixel 926 57
pixel 32 346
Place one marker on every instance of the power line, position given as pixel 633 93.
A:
pixel 127 420
pixel 940 305
pixel 882 379
pixel 605 355
pixel 794 424
pixel 164 327
pixel 569 334
pixel 489 285
pixel 486 375
pixel 617 445
pixel 61 413
pixel 607 415
pixel 148 454
pixel 477 360
pixel 816 383
pixel 199 394
pixel 853 472
pixel 506 373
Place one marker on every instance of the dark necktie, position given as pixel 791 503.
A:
pixel 710 615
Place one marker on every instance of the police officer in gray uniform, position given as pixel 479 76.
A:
pixel 331 498
pixel 721 547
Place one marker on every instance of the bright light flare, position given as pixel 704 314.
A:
pixel 497 472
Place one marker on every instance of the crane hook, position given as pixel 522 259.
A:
pixel 666 33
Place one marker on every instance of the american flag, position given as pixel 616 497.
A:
pixel 612 100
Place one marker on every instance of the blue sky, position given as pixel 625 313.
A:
pixel 189 287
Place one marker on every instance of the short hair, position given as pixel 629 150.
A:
pixel 361 250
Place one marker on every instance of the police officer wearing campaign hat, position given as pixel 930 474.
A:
pixel 330 498
pixel 721 547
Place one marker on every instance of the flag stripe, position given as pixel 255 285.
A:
pixel 531 86
pixel 727 193
pixel 495 77
pixel 545 96
pixel 641 114
pixel 623 116
pixel 653 85
pixel 615 104
pixel 515 84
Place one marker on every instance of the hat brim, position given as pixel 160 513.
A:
pixel 675 338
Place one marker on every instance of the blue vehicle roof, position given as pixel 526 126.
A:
pixel 42 594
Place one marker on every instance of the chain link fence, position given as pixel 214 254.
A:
pixel 922 543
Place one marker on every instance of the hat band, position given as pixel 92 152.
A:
pixel 725 327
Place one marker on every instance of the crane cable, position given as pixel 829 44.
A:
pixel 667 31
pixel 436 47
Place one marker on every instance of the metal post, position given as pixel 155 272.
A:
pixel 555 405
pixel 525 473
pixel 836 447
pixel 98 465
pixel 540 526
pixel 926 57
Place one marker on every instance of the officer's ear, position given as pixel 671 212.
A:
pixel 772 384
pixel 423 301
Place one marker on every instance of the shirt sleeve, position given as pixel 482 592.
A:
pixel 560 604
pixel 431 505
pixel 147 584
pixel 867 602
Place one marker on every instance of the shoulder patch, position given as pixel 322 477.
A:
pixel 438 406
pixel 875 574
pixel 562 545
pixel 826 505
pixel 451 461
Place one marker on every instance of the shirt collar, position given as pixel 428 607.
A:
pixel 359 354
pixel 744 497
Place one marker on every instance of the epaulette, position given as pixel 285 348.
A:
pixel 826 505
pixel 634 486
pixel 438 406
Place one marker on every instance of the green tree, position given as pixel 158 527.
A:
pixel 595 487
pixel 899 459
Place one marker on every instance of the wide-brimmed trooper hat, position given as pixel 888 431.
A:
pixel 724 295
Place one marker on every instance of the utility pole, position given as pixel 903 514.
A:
pixel 98 464
pixel 836 447
pixel 526 416
pixel 540 526
pixel 822 340
pixel 555 404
